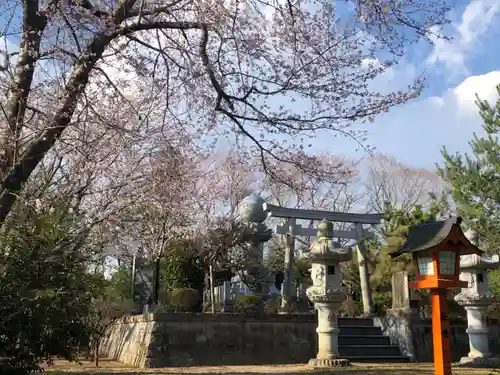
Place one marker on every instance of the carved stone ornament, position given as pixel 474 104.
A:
pixel 471 299
pixel 325 248
pixel 319 276
pixel 319 294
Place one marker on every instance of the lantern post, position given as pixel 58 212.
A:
pixel 436 249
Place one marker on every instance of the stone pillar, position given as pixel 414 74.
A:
pixel 328 331
pixel 364 277
pixel 477 331
pixel 289 259
pixel 479 354
pixel 228 299
pixel 326 294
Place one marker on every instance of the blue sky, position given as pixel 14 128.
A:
pixel 445 113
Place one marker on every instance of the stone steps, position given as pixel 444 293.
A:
pixel 369 350
pixel 371 340
pixel 379 359
pixel 361 341
pixel 359 330
pixel 358 322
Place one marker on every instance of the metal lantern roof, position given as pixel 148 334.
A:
pixel 423 237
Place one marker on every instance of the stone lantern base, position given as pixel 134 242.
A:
pixel 327 306
pixel 479 362
pixel 328 362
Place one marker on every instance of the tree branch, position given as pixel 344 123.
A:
pixel 15 179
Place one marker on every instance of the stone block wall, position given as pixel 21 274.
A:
pixel 163 340
pixel 414 336
pixel 168 340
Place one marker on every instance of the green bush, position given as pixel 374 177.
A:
pixel 382 301
pixel 247 300
pixel 271 306
pixel 184 299
pixel 244 301
pixel 494 311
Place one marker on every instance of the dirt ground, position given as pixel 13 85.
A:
pixel 110 367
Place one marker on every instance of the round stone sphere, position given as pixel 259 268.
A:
pixel 251 209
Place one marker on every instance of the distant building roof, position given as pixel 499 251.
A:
pixel 425 236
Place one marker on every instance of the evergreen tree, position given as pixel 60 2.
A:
pixel 392 237
pixel 474 179
pixel 46 290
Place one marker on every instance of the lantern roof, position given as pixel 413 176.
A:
pixel 427 236
pixel 324 248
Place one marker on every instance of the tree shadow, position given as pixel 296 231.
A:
pixel 193 371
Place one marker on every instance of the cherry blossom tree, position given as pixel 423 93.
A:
pixel 402 186
pixel 268 73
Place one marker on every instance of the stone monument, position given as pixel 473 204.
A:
pixel 476 299
pixel 400 293
pixel 251 215
pixel 326 293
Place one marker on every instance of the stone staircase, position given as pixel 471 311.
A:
pixel 361 341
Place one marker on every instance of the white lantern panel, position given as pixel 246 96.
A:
pixel 447 262
pixel 425 265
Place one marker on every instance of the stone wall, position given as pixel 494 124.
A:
pixel 414 336
pixel 163 340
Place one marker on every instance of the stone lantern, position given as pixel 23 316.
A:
pixel 476 298
pixel 326 293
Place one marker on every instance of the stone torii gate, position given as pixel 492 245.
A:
pixel 291 229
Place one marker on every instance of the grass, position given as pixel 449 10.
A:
pixel 110 367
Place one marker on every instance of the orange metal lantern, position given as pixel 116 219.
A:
pixel 436 249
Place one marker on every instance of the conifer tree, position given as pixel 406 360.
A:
pixel 393 235
pixel 474 178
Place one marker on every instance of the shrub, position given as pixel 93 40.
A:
pixel 271 306
pixel 243 302
pixel 381 302
pixel 247 300
pixel 350 308
pixel 299 304
pixel 494 310
pixel 184 299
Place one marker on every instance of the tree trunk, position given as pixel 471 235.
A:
pixel 33 24
pixel 156 282
pixel 98 341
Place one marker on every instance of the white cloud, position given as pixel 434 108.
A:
pixel 478 18
pixel 483 85
pixel 415 132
